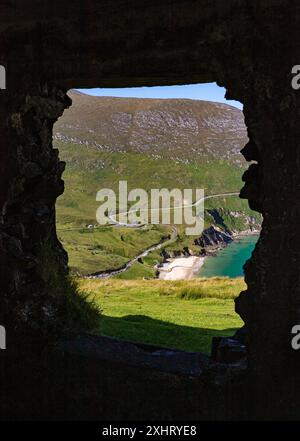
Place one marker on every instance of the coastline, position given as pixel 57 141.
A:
pixel 244 233
pixel 181 268
pixel 235 236
pixel 187 268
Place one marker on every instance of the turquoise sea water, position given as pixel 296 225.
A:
pixel 230 260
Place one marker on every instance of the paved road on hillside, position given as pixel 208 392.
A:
pixel 109 274
pixel 194 204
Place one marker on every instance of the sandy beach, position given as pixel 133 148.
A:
pixel 181 268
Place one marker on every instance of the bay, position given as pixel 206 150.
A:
pixel 229 261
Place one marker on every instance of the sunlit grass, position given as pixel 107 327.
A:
pixel 180 314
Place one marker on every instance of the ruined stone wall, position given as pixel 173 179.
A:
pixel 248 47
pixel 27 227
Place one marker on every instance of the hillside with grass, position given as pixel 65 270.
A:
pixel 151 144
pixel 182 314
pixel 185 131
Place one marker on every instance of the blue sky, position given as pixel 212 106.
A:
pixel 207 92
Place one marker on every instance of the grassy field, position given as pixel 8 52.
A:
pixel 106 248
pixel 179 314
pixel 88 170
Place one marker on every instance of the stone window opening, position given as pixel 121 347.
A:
pixel 65 131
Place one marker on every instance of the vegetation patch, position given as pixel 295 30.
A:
pixel 177 314
pixel 78 311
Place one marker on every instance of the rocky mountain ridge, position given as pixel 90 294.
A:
pixel 183 130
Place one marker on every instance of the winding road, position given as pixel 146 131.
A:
pixel 194 204
pixel 111 273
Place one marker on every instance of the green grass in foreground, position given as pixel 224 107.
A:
pixel 178 314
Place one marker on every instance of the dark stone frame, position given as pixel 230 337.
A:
pixel 248 47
